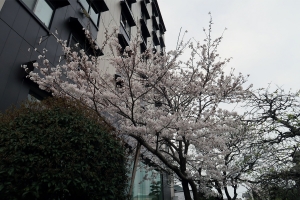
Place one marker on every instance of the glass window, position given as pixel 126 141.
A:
pixel 31 96
pixel 74 44
pixel 147 184
pixel 85 4
pixel 30 3
pixel 42 10
pixel 128 3
pixel 94 15
pixel 125 24
pixel 77 43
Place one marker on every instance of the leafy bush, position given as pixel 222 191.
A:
pixel 58 150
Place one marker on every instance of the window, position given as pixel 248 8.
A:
pixel 77 42
pixel 74 43
pixel 147 188
pixel 154 10
pixel 128 3
pixel 94 15
pixel 41 9
pixel 33 97
pixel 144 17
pixel 125 24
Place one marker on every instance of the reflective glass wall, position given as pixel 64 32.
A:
pixel 149 189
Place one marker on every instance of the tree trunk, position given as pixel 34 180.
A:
pixel 227 193
pixel 234 192
pixel 195 191
pixel 186 190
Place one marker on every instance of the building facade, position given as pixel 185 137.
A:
pixel 25 27
pixel 26 23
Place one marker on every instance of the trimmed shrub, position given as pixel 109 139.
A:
pixel 57 149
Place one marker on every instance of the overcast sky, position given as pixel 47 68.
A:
pixel 262 36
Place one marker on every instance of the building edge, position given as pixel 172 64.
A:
pixel 1 4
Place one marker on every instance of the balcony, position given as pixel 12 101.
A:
pixel 154 22
pixel 144 18
pixel 143 44
pixel 144 27
pixel 127 12
pixel 162 27
pixel 59 4
pixel 162 42
pixel 145 10
pixel 77 27
pixel 131 1
pixel 154 9
pixel 154 50
pixel 100 5
pixel 124 37
pixel 156 13
pixel 155 38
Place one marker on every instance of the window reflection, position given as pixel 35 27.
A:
pixel 149 189
pixel 33 97
pixel 125 24
pixel 42 10
pixel 94 15
pixel 30 3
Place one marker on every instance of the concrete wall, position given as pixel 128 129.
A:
pixel 108 20
pixel 111 18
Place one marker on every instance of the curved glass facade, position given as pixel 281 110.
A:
pixel 147 185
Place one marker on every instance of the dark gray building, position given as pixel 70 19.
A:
pixel 22 24
pixel 26 28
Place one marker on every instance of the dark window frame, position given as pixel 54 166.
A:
pixel 82 44
pixel 33 96
pixel 31 11
pixel 72 37
pixel 125 24
pixel 91 6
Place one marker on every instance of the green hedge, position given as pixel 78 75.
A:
pixel 59 150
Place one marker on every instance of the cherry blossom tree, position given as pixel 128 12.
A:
pixel 241 161
pixel 170 110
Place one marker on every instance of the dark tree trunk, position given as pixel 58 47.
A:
pixel 195 191
pixel 227 193
pixel 186 190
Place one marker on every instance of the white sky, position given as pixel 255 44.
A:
pixel 263 36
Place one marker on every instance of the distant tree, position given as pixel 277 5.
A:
pixel 276 112
pixel 56 149
pixel 275 117
pixel 285 184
